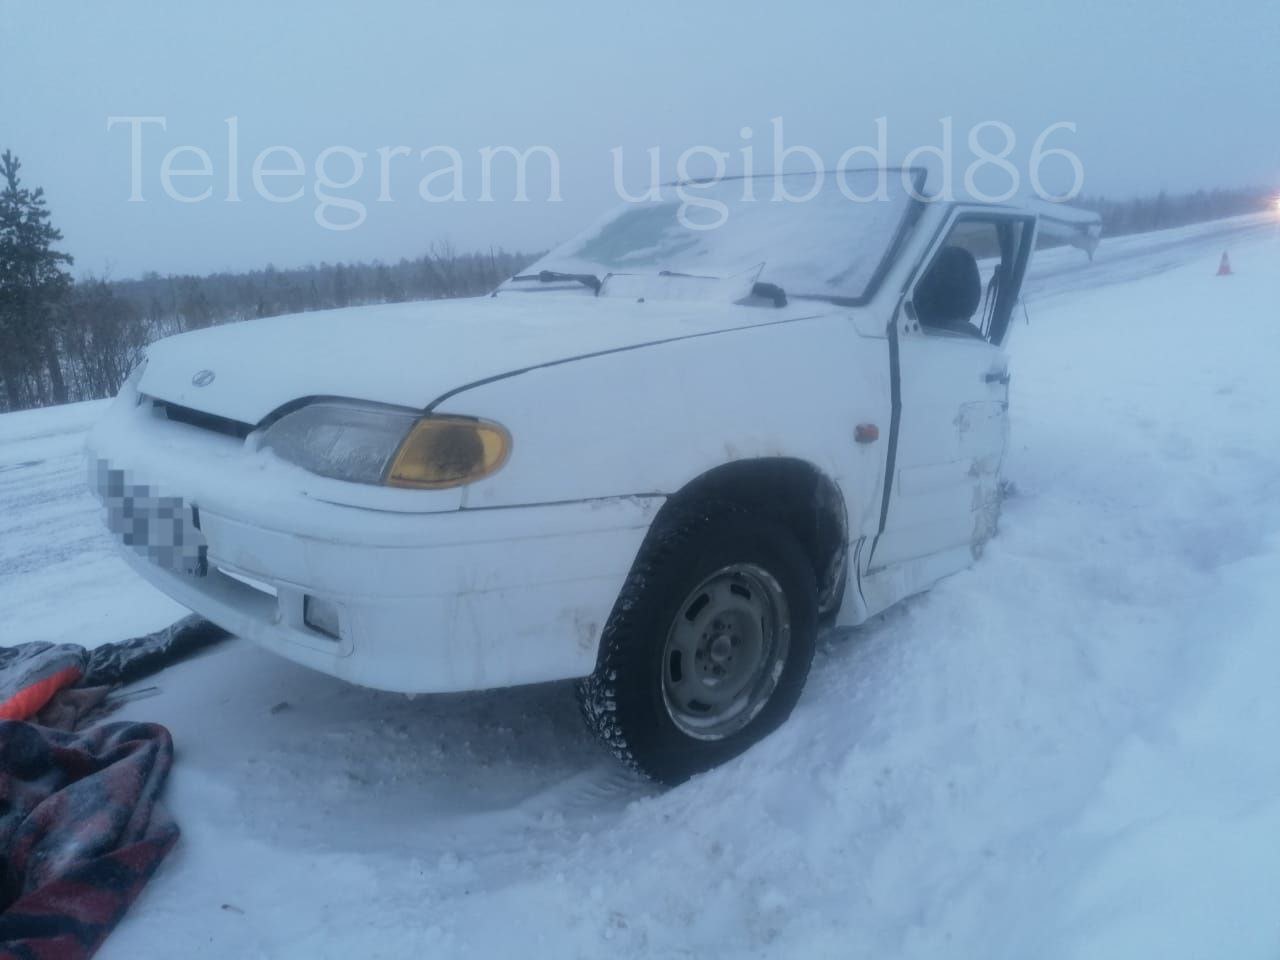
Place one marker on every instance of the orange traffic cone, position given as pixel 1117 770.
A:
pixel 1224 268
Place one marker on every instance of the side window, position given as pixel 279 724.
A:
pixel 971 285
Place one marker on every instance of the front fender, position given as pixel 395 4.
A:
pixel 649 420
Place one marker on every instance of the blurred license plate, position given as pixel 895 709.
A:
pixel 164 530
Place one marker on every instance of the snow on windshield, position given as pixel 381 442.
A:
pixel 815 234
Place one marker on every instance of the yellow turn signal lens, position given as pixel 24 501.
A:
pixel 442 452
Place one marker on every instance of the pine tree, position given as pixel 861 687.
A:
pixel 32 282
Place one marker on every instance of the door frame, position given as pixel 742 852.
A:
pixel 1022 258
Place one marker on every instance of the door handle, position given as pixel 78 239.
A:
pixel 996 376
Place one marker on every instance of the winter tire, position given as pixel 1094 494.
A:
pixel 708 646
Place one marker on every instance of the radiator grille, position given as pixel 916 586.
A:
pixel 204 421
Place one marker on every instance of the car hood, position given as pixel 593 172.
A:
pixel 409 354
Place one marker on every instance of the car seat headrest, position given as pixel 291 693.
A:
pixel 951 289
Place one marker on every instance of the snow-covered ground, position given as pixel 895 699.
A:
pixel 1067 751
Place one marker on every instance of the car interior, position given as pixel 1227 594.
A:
pixel 950 292
pixel 969 290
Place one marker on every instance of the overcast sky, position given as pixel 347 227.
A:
pixel 1162 93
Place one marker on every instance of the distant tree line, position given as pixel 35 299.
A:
pixel 62 341
pixel 1165 210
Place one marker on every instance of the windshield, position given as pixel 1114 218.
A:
pixel 821 238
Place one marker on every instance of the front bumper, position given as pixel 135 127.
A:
pixel 426 602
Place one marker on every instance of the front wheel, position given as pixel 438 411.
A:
pixel 709 644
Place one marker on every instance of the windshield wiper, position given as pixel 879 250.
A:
pixel 687 276
pixel 552 276
pixel 767 291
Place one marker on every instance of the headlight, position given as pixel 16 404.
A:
pixel 367 443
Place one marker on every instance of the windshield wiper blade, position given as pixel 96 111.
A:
pixel 687 276
pixel 552 276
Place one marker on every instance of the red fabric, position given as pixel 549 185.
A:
pixel 30 700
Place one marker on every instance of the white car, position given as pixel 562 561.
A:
pixel 658 460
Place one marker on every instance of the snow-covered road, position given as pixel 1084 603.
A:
pixel 1068 751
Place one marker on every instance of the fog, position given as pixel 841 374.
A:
pixel 1161 95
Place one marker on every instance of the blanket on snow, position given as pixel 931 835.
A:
pixel 80 830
